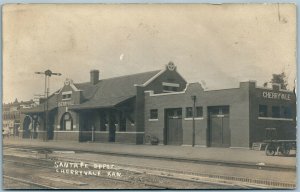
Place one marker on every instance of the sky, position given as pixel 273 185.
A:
pixel 216 45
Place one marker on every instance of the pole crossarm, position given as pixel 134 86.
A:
pixel 48 73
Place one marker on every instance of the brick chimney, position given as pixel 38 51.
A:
pixel 94 76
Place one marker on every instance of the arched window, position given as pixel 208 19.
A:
pixel 66 122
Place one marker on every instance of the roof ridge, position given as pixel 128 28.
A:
pixel 119 77
pixel 97 87
pixel 81 83
pixel 132 74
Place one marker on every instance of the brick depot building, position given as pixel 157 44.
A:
pixel 160 104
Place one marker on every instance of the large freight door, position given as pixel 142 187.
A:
pixel 218 123
pixel 173 127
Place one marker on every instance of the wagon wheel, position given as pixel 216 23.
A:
pixel 270 150
pixel 147 139
pixel 285 149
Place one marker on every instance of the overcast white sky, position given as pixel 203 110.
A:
pixel 219 44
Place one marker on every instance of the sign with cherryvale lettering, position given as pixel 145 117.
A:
pixel 64 103
pixel 278 96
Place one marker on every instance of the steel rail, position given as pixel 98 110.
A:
pixel 29 182
pixel 178 159
pixel 48 167
pixel 254 182
pixel 259 182
pixel 158 186
pixel 147 168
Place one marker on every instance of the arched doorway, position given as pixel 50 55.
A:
pixel 66 122
pixel 27 126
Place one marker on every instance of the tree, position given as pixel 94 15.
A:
pixel 265 84
pixel 280 79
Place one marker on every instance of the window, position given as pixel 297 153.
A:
pixel 66 123
pixel 263 111
pixel 188 112
pixel 224 110
pixel 153 114
pixel 166 88
pixel 179 113
pixel 174 113
pixel 286 112
pixel 66 95
pixel 170 87
pixel 171 113
pixel 199 112
pixel 276 111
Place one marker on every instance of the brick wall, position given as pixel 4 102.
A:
pixel 286 127
pixel 102 137
pixel 237 99
pixel 156 87
pixel 67 135
pixel 129 137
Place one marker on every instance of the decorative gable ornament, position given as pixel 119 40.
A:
pixel 171 66
pixel 68 81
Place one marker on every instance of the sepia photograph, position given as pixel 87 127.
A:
pixel 149 96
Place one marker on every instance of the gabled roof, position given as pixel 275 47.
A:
pixel 106 93
pixel 88 89
pixel 110 92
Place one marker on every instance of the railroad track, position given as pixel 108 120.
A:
pixel 221 180
pixel 178 159
pixel 30 183
pixel 145 183
pixel 148 184
pixel 205 178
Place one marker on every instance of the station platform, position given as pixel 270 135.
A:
pixel 185 153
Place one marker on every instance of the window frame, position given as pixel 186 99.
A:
pixel 67 95
pixel 277 113
pixel 197 115
pixel 187 115
pixel 170 87
pixel 153 112
pixel 265 112
pixel 287 109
